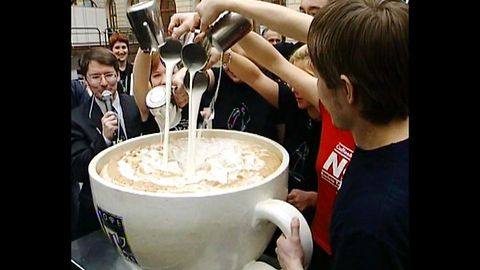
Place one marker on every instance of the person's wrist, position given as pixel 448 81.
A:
pixel 146 50
pixel 312 199
pixel 108 142
pixel 297 265
pixel 227 58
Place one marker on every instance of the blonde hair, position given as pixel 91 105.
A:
pixel 302 55
pixel 155 61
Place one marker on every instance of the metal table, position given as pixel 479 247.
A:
pixel 95 251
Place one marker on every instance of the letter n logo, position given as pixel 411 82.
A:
pixel 332 161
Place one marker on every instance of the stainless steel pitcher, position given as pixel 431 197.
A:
pixel 227 30
pixel 147 25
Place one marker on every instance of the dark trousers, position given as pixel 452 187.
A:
pixel 74 206
pixel 320 259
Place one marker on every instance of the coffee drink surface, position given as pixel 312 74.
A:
pixel 220 164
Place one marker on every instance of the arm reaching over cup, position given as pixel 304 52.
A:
pixel 181 23
pixel 289 250
pixel 295 27
pixel 141 84
pixel 260 50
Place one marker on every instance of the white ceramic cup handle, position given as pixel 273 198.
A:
pixel 281 213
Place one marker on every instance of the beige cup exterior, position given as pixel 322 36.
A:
pixel 216 231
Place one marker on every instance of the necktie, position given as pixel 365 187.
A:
pixel 120 135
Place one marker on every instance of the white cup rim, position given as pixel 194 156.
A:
pixel 92 170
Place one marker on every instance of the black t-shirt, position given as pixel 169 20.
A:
pixel 79 93
pixel 287 48
pixel 123 85
pixel 183 124
pixel 370 219
pixel 239 107
pixel 302 139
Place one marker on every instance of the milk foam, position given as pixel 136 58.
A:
pixel 220 163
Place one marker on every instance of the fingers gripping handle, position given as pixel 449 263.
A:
pixel 281 213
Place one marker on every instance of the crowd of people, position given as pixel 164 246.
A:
pixel 337 100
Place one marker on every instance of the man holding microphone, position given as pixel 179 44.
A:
pixel 106 119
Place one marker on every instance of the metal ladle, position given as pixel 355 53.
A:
pixel 195 55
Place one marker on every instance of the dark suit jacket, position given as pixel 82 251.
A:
pixel 79 94
pixel 87 141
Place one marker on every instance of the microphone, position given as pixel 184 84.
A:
pixel 107 98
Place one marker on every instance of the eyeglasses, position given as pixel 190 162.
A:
pixel 97 78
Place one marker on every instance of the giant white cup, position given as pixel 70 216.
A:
pixel 217 231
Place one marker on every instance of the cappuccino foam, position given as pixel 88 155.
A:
pixel 220 163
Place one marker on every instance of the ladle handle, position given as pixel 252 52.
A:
pixel 281 213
